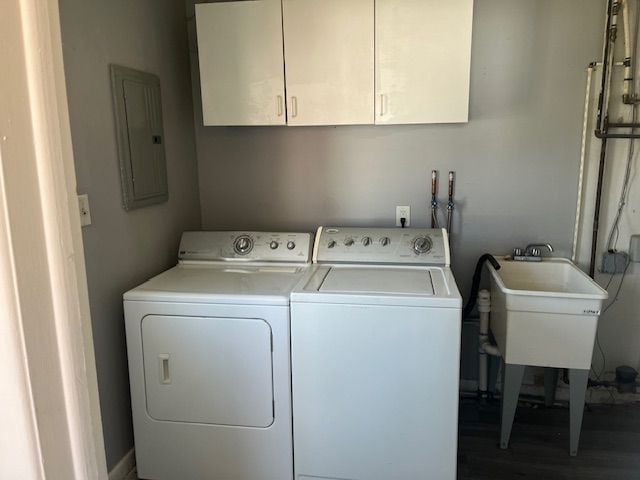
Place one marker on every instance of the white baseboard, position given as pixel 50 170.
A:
pixel 124 466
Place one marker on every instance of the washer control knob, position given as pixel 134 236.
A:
pixel 331 244
pixel 243 245
pixel 291 244
pixel 366 241
pixel 384 241
pixel 422 245
pixel 348 242
pixel 273 245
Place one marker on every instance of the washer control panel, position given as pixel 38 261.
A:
pixel 246 246
pixel 418 246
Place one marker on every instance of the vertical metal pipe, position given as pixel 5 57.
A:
pixel 628 61
pixel 596 213
pixel 610 38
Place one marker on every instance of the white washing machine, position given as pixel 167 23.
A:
pixel 375 342
pixel 209 358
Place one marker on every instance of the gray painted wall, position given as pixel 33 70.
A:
pixel 124 248
pixel 516 160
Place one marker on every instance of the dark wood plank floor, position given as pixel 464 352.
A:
pixel 539 449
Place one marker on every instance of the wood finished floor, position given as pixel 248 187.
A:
pixel 539 447
pixel 609 445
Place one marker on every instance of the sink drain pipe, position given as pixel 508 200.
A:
pixel 486 348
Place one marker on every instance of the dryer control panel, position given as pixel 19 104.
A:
pixel 413 246
pixel 244 246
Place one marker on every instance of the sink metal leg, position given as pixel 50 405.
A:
pixel 550 384
pixel 578 380
pixel 512 375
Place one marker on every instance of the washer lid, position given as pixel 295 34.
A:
pixel 388 281
pixel 418 286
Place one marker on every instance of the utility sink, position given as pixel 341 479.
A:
pixel 544 313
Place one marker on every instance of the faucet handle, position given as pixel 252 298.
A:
pixel 535 249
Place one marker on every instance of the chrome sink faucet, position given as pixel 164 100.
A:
pixel 532 253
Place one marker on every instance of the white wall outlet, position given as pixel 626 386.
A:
pixel 403 212
pixel 85 211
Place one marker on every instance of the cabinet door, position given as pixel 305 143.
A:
pixel 423 58
pixel 329 61
pixel 241 62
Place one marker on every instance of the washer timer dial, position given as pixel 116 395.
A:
pixel 422 245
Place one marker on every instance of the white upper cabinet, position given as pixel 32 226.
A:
pixel 346 61
pixel 329 61
pixel 423 58
pixel 241 62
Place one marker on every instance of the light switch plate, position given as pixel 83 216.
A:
pixel 85 211
pixel 403 212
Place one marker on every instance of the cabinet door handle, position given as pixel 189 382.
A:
pixel 279 102
pixel 294 106
pixel 381 104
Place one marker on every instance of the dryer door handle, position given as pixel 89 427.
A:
pixel 165 373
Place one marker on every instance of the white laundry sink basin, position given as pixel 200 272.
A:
pixel 545 313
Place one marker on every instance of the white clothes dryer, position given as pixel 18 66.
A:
pixel 209 358
pixel 375 339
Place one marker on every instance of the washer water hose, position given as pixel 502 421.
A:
pixel 475 284
pixel 434 199
pixel 450 205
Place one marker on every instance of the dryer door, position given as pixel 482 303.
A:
pixel 208 370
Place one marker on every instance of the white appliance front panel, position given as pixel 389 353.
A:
pixel 396 246
pixel 242 247
pixel 391 281
pixel 208 370
pixel 375 391
pixel 168 450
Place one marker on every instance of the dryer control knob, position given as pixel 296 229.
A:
pixel 291 244
pixel 348 242
pixel 422 245
pixel 366 241
pixel 331 244
pixel 384 241
pixel 243 245
pixel 273 245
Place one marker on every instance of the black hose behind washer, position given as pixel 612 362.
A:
pixel 475 284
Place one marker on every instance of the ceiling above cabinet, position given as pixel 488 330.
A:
pixel 334 62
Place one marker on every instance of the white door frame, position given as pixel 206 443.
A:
pixel 49 410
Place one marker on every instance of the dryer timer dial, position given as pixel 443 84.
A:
pixel 243 244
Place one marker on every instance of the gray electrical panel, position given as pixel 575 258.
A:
pixel 138 112
pixel 614 262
